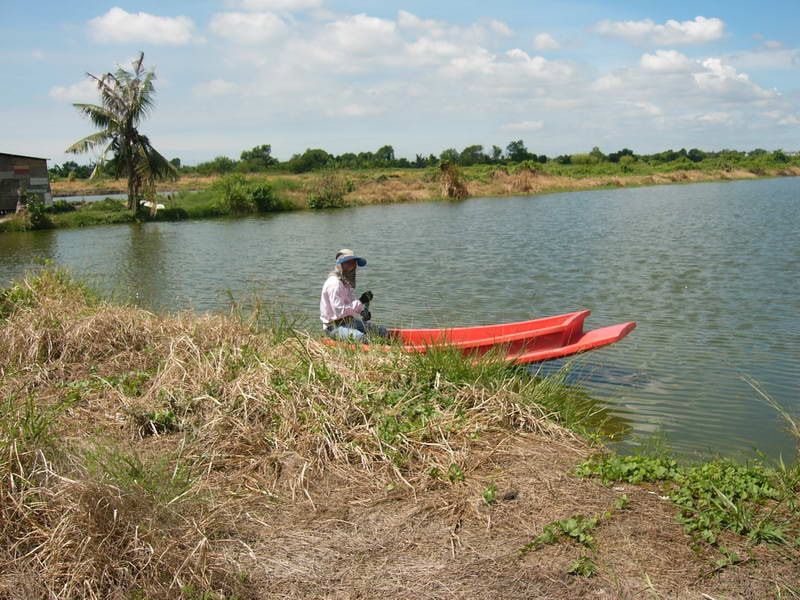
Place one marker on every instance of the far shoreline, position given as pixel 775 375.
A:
pixel 383 186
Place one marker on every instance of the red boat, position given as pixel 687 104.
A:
pixel 523 342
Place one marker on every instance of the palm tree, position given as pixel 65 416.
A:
pixel 126 98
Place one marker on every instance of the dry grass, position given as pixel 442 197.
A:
pixel 411 185
pixel 164 456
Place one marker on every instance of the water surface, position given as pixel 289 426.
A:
pixel 708 271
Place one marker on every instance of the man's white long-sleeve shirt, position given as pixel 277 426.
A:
pixel 337 301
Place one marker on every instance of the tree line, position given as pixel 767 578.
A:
pixel 260 159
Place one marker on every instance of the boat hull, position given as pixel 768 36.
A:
pixel 522 342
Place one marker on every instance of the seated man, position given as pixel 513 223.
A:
pixel 343 317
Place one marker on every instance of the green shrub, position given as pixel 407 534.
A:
pixel 33 215
pixel 239 196
pixel 329 191
pixel 104 205
pixel 235 198
pixel 264 197
pixel 60 206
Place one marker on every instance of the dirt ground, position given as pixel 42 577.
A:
pixel 347 539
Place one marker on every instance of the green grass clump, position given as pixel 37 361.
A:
pixel 751 500
pixel 631 469
pixel 46 282
pixel 103 212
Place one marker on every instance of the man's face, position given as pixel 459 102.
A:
pixel 349 266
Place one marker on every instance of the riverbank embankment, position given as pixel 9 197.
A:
pixel 163 456
pixel 235 194
pixel 381 186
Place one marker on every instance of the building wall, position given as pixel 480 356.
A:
pixel 22 172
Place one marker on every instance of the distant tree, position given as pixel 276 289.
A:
pixel 472 155
pixel 615 156
pixel 385 156
pixel 420 161
pixel 348 160
pixel 695 155
pixel 223 164
pixel 73 170
pixel 497 153
pixel 517 152
pixel 542 158
pixel 449 155
pixel 584 159
pixel 126 97
pixel 310 160
pixel 564 159
pixel 625 162
pixel 780 156
pixel 260 155
pixel 598 154
pixel 175 162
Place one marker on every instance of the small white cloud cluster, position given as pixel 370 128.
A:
pixel 672 33
pixel 84 91
pixel 545 41
pixel 248 28
pixel 118 25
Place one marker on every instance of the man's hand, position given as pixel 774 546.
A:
pixel 366 315
pixel 366 297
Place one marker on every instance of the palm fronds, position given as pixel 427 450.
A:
pixel 126 97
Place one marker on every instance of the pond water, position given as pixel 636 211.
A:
pixel 710 272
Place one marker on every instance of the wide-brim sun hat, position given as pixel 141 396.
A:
pixel 345 254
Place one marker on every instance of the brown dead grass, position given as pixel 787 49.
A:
pixel 293 494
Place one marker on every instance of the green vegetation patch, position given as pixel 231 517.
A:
pixel 752 500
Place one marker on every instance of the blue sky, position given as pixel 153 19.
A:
pixel 350 76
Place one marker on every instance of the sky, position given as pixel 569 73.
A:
pixel 355 75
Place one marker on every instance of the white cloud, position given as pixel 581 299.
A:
pixel 432 51
pixel 85 91
pixel 665 61
pixel 273 5
pixel 360 33
pixel 354 110
pixel 120 26
pixel 767 58
pixel 523 126
pixel 782 118
pixel 248 28
pixel 499 27
pixel 646 108
pixel 716 118
pixel 721 79
pixel 545 41
pixel 700 30
pixel 407 20
pixel 215 87
pixel 607 82
pixel 538 66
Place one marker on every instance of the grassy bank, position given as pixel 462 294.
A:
pixel 196 197
pixel 183 456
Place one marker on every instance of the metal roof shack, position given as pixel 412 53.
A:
pixel 22 173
